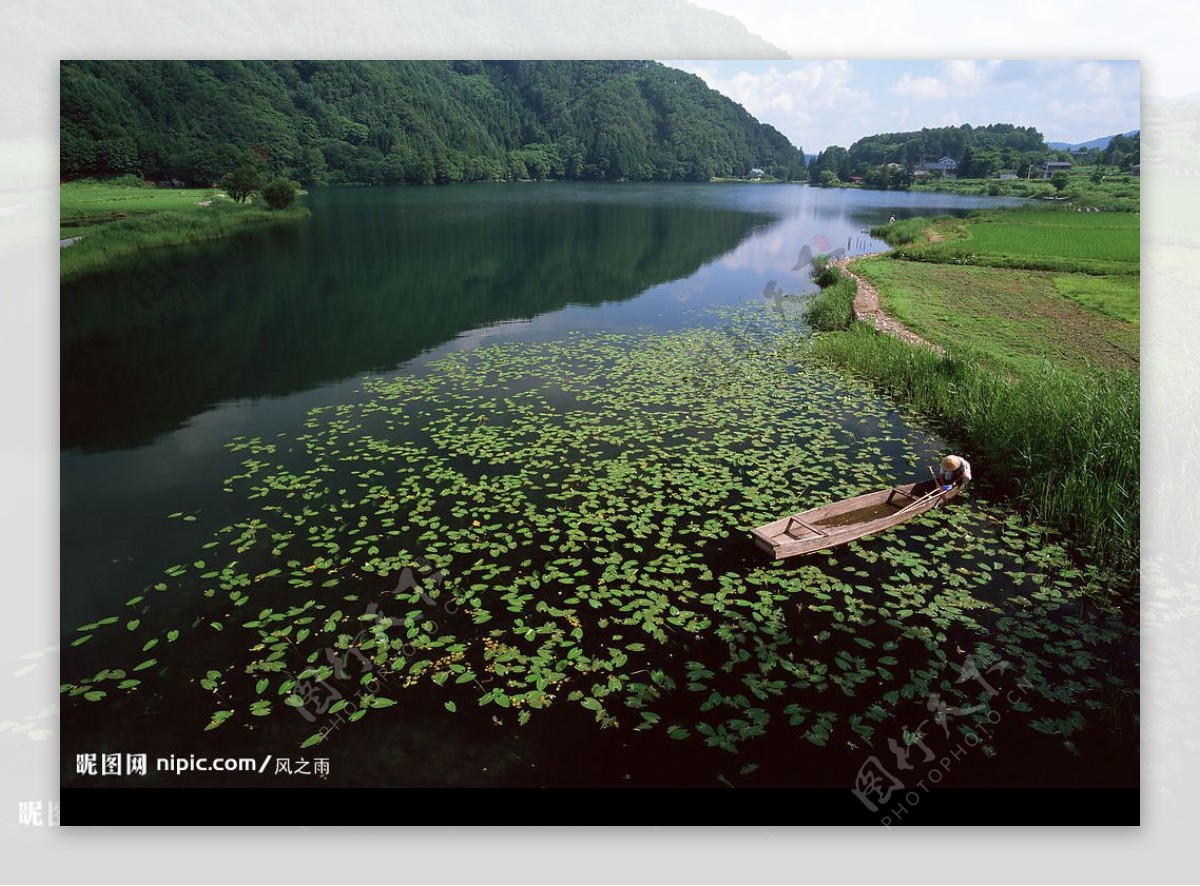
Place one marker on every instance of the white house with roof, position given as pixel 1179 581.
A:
pixel 945 166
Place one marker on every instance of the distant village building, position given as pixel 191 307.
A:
pixel 1007 176
pixel 945 166
pixel 756 173
pixel 1053 166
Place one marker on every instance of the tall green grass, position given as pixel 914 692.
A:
pixel 902 232
pixel 103 244
pixel 833 307
pixel 1064 442
pixel 1116 297
pixel 1057 234
pixel 960 254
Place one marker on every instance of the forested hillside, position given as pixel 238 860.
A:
pixel 380 122
pixel 979 151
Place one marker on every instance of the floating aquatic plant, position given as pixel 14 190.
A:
pixel 529 525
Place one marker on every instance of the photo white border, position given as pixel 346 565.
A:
pixel 36 36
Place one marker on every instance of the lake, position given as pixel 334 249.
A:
pixel 484 458
pixel 166 358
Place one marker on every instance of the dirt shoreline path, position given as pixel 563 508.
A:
pixel 868 309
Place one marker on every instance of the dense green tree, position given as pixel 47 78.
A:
pixel 979 151
pixel 279 194
pixel 834 159
pixel 117 156
pixel 242 182
pixel 311 166
pixel 77 154
pixel 1123 151
pixel 890 176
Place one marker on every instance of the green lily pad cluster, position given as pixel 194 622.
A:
pixel 580 511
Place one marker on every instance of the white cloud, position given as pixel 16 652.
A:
pixel 792 97
pixel 969 77
pixel 1095 76
pixel 960 79
pixel 920 87
pixel 820 103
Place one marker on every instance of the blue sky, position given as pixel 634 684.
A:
pixel 822 103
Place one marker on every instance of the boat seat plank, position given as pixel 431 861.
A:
pixel 788 529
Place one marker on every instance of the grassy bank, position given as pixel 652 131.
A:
pixel 84 206
pixel 1065 443
pixel 1019 317
pixel 118 221
pixel 1039 383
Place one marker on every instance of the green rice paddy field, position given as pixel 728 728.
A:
pixel 1053 240
pixel 1017 316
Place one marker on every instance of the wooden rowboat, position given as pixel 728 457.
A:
pixel 843 521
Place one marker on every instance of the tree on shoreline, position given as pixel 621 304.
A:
pixel 242 182
pixel 279 194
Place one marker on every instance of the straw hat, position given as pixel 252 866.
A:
pixel 951 463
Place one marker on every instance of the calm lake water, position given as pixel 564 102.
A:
pixel 166 359
pixel 416 316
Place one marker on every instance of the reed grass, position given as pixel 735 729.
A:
pixel 902 232
pixel 833 307
pixel 1064 442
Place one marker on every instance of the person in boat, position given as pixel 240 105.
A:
pixel 954 471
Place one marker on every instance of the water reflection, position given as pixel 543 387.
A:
pixel 380 275
pixel 370 281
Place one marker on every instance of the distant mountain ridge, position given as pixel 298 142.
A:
pixel 1097 143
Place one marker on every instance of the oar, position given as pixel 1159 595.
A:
pixel 920 501
pixel 933 493
pixel 937 484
